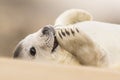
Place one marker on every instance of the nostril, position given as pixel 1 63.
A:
pixel 45 30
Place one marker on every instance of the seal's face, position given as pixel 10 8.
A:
pixel 38 45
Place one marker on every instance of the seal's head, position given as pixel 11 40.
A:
pixel 38 45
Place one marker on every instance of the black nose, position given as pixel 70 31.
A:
pixel 45 30
pixel 48 29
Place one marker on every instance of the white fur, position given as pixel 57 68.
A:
pixel 62 56
pixel 101 40
pixel 43 51
pixel 104 36
pixel 73 16
pixel 38 40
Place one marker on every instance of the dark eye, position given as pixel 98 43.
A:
pixel 32 51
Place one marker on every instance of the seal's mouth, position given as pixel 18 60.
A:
pixel 48 30
pixel 55 45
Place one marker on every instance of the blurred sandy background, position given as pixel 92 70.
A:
pixel 19 18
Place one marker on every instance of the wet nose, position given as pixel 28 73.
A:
pixel 45 30
pixel 48 29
